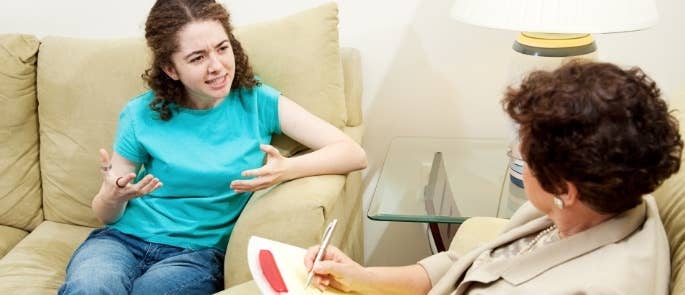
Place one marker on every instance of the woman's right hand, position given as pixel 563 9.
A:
pixel 335 269
pixel 118 188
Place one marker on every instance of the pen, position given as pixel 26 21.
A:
pixel 325 240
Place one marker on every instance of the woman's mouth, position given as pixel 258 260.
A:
pixel 218 82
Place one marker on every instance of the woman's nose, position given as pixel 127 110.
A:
pixel 214 63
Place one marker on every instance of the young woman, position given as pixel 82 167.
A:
pixel 200 135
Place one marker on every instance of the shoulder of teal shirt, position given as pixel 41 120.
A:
pixel 267 100
pixel 138 107
pixel 142 100
pixel 261 89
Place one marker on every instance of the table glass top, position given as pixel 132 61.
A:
pixel 444 180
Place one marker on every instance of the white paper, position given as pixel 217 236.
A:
pixel 290 262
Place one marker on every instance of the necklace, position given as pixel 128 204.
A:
pixel 537 239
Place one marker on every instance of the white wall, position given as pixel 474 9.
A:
pixel 424 74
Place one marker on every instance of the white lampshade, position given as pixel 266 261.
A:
pixel 558 16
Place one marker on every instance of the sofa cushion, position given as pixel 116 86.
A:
pixel 20 190
pixel 300 56
pixel 9 237
pixel 37 264
pixel 83 84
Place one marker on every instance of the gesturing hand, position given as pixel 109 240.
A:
pixel 119 187
pixel 273 172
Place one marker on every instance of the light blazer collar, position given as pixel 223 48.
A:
pixel 517 270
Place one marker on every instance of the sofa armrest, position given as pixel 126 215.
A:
pixel 294 212
pixel 476 231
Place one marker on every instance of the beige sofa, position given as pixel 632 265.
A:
pixel 59 103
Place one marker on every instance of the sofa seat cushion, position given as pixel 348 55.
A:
pixel 37 264
pixel 20 190
pixel 9 237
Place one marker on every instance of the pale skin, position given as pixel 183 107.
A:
pixel 205 64
pixel 338 271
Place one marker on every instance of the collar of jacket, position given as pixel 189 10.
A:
pixel 520 269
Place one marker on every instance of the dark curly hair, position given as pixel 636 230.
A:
pixel 602 128
pixel 166 19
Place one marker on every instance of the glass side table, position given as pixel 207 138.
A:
pixel 442 182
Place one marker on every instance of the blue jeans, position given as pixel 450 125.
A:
pixel 111 262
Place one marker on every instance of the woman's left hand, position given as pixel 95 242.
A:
pixel 273 172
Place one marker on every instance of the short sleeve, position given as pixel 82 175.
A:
pixel 267 99
pixel 125 141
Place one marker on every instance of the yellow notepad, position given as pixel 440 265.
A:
pixel 290 262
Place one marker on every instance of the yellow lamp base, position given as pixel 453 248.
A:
pixel 554 45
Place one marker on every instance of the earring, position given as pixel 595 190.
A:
pixel 558 202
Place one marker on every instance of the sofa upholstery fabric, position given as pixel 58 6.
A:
pixel 9 237
pixel 82 86
pixel 20 186
pixel 37 264
pixel 302 61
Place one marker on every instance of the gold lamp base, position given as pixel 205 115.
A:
pixel 554 45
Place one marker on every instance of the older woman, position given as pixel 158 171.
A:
pixel 596 139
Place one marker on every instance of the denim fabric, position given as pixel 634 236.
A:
pixel 111 262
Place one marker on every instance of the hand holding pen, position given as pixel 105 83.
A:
pixel 325 240
pixel 333 269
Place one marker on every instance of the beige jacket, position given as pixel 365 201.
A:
pixel 628 254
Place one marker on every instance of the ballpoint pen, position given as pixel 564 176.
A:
pixel 325 240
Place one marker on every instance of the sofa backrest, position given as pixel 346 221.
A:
pixel 670 198
pixel 83 84
pixel 20 190
pixel 300 56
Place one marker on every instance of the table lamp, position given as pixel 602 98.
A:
pixel 557 28
pixel 550 31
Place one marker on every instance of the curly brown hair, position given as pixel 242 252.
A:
pixel 166 19
pixel 602 128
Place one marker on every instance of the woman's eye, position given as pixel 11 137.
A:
pixel 223 48
pixel 196 59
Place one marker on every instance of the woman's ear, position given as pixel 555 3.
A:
pixel 571 195
pixel 171 72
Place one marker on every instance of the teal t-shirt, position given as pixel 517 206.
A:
pixel 196 154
